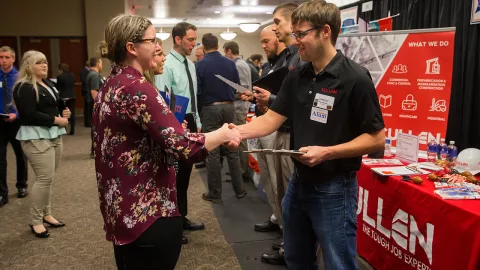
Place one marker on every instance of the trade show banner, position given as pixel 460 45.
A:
pixel 412 72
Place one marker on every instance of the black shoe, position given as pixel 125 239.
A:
pixel 267 226
pixel 3 200
pixel 241 195
pixel 184 240
pixel 278 243
pixel 55 225
pixel 274 258
pixel 200 165
pixel 43 234
pixel 209 198
pixel 191 226
pixel 22 193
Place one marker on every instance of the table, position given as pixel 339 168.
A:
pixel 406 226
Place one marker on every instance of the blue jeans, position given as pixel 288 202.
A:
pixel 321 214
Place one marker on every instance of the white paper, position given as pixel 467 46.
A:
pixel 407 148
pixel 323 102
pixel 235 86
pixel 398 170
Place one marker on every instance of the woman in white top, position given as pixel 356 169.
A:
pixel 39 107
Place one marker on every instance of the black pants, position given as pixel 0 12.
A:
pixel 157 248
pixel 184 172
pixel 87 113
pixel 70 104
pixel 8 131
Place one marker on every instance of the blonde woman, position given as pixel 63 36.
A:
pixel 39 107
pixel 136 140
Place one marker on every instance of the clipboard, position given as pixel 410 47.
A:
pixel 272 81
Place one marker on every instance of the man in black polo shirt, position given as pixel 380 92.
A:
pixel 335 115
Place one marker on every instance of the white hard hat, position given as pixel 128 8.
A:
pixel 469 160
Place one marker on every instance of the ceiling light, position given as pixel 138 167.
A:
pixel 162 35
pixel 249 27
pixel 269 12
pixel 228 35
pixel 217 12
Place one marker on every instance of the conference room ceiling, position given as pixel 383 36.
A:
pixel 209 13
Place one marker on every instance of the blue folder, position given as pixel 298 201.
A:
pixel 177 104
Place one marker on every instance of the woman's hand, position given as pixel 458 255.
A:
pixel 66 113
pixel 61 121
pixel 232 136
pixel 184 125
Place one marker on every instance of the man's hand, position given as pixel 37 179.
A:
pixel 262 96
pixel 233 144
pixel 11 117
pixel 262 109
pixel 66 113
pixel 247 96
pixel 314 155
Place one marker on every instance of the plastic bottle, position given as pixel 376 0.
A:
pixel 432 151
pixel 388 148
pixel 442 150
pixel 452 154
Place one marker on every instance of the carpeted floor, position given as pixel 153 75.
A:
pixel 81 244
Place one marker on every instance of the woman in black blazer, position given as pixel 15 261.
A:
pixel 66 87
pixel 39 106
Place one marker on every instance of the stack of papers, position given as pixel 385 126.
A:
pixel 459 193
pixel 399 170
pixel 380 162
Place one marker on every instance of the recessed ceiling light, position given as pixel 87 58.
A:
pixel 217 12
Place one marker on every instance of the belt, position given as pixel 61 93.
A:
pixel 218 103
pixel 284 129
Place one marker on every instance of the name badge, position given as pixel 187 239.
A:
pixel 323 102
pixel 319 115
pixel 1 84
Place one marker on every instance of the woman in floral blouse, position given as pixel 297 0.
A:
pixel 136 139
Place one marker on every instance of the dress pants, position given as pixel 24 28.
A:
pixel 213 118
pixel 268 176
pixel 184 172
pixel 8 131
pixel 284 168
pixel 157 248
pixel 87 113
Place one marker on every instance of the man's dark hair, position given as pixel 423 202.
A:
pixel 232 46
pixel 180 30
pixel 286 10
pixel 255 57
pixel 319 13
pixel 93 61
pixel 63 67
pixel 209 42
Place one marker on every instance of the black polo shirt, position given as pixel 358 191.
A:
pixel 330 108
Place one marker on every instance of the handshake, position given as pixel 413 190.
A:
pixel 231 136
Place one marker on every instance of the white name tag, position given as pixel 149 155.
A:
pixel 323 102
pixel 319 115
pixel 1 84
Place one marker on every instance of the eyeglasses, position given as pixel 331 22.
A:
pixel 300 35
pixel 152 40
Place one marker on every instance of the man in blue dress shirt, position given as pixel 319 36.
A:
pixel 9 125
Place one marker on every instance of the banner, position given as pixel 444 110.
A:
pixel 404 226
pixel 413 76
pixel 384 24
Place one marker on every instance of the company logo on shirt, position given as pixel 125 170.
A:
pixel 329 90
pixel 319 114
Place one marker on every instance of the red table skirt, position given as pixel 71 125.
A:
pixel 406 226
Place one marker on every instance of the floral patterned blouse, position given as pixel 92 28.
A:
pixel 133 133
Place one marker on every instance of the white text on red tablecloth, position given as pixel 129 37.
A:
pixel 404 232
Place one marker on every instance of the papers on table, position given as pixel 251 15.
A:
pixel 235 86
pixel 399 170
pixel 407 148
pixel 277 152
pixel 380 162
pixel 458 193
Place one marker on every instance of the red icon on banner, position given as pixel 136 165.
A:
pixel 409 104
pixel 433 67
pixel 385 101
pixel 399 69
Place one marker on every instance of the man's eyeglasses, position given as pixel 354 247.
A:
pixel 152 40
pixel 300 35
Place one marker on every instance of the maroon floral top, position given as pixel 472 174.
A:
pixel 133 131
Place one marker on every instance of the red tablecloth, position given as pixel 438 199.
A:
pixel 407 226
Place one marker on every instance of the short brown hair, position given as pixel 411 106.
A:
pixel 7 49
pixel 286 9
pixel 63 67
pixel 255 57
pixel 319 13
pixel 180 30
pixel 209 42
pixel 232 46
